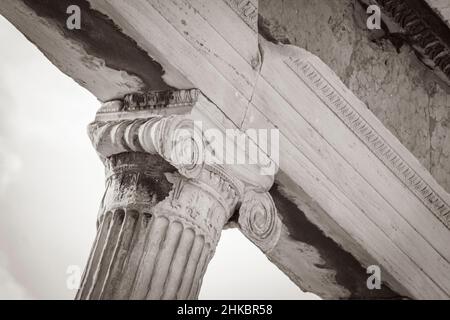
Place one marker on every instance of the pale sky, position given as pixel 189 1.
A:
pixel 51 183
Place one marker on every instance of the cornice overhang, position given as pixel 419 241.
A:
pixel 424 29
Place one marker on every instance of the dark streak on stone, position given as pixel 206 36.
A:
pixel 101 38
pixel 349 272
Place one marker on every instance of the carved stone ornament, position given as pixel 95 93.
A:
pixel 258 219
pixel 164 208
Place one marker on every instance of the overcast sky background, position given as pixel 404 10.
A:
pixel 51 183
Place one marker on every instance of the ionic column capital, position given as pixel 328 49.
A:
pixel 161 123
pixel 200 196
pixel 155 135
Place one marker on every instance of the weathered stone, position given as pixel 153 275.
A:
pixel 409 99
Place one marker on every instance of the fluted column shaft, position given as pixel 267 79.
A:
pixel 157 230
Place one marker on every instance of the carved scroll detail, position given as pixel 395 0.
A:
pixel 259 220
pixel 175 138
pixel 370 137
